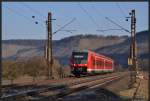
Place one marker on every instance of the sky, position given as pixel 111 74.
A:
pixel 18 21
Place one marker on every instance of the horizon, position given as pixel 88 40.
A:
pixel 79 35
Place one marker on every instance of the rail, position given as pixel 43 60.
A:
pixel 63 86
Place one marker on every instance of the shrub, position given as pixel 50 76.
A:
pixel 11 70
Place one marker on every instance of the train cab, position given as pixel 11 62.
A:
pixel 79 62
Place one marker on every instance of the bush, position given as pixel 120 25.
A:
pixel 38 66
pixel 143 64
pixel 35 67
pixel 118 68
pixel 11 70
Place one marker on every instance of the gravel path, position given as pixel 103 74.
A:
pixel 142 91
pixel 139 93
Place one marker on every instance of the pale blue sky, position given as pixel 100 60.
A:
pixel 17 21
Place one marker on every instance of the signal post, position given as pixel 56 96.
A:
pixel 48 46
pixel 132 60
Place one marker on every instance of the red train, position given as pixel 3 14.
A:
pixel 88 62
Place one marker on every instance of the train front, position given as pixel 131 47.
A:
pixel 79 63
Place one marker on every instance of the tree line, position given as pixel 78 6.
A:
pixel 34 67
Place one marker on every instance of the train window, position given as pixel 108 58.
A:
pixel 105 64
pixel 101 63
pixel 108 64
pixel 80 57
pixel 98 63
pixel 93 62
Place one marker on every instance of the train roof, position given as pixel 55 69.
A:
pixel 93 53
pixel 101 55
pixel 80 50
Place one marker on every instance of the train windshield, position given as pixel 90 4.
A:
pixel 80 57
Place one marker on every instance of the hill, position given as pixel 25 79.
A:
pixel 117 47
pixel 120 51
pixel 15 49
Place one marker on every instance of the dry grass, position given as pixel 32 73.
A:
pixel 142 91
pixel 23 80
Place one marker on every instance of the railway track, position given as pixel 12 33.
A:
pixel 23 86
pixel 66 87
pixel 86 85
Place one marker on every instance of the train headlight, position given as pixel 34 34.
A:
pixel 85 64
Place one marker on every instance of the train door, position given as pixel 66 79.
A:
pixel 105 68
pixel 90 62
pixel 95 64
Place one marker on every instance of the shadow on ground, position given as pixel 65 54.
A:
pixel 98 94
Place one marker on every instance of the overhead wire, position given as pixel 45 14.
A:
pixel 122 28
pixel 107 19
pixel 31 20
pixel 95 9
pixel 126 30
pixel 92 19
pixel 85 11
pixel 64 25
pixel 99 13
pixel 80 26
pixel 33 10
pixel 109 29
pixel 22 15
pixel 39 13
pixel 121 10
pixel 67 30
